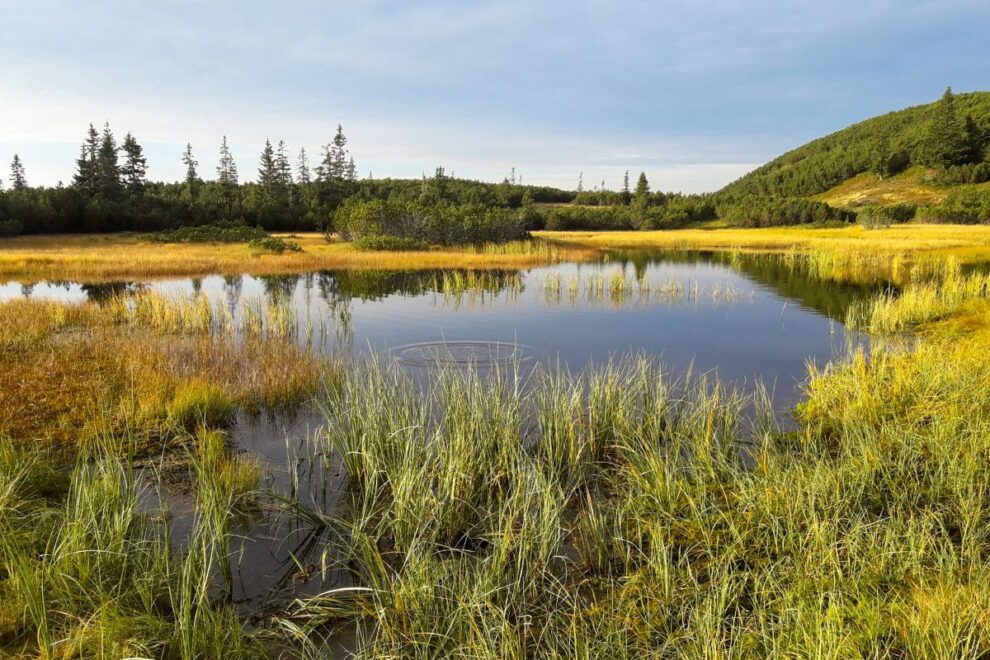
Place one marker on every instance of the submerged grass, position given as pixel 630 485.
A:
pixel 87 571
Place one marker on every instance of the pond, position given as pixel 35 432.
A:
pixel 742 318
pixel 746 319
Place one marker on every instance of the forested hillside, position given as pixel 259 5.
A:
pixel 951 135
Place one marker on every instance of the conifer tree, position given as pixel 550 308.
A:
pixel 642 195
pixel 302 168
pixel 266 169
pixel 107 170
pixel 945 140
pixel 192 177
pixel 135 168
pixel 283 170
pixel 86 167
pixel 226 167
pixel 580 187
pixel 18 179
pixel 626 195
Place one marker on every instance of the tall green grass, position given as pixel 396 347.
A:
pixel 619 513
pixel 92 572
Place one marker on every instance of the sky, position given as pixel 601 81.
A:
pixel 693 93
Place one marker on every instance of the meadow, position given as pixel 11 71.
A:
pixel 624 511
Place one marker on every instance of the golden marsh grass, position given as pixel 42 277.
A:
pixel 114 257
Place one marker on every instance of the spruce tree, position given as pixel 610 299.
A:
pixel 85 178
pixel 302 168
pixel 580 187
pixel 626 195
pixel 135 168
pixel 283 170
pixel 945 140
pixel 226 167
pixel 107 170
pixel 18 179
pixel 192 177
pixel 266 168
pixel 642 195
pixel 340 154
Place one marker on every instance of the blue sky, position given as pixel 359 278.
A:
pixel 693 93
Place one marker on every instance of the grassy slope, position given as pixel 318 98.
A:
pixel 822 164
pixel 913 186
pixel 909 187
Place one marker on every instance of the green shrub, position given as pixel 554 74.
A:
pixel 873 217
pixel 674 213
pixel 753 211
pixel 439 223
pixel 389 244
pixel 273 245
pixel 215 233
pixel 964 205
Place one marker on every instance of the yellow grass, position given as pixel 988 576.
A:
pixel 71 371
pixel 968 243
pixel 96 258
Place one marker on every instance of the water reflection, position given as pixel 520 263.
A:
pixel 745 316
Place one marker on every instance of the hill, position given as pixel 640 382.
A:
pixel 948 136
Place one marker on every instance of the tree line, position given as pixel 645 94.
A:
pixel 110 190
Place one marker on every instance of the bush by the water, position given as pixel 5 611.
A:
pixel 215 233
pixel 675 213
pixel 389 244
pixel 274 245
pixel 777 211
pixel 884 216
pixel 440 223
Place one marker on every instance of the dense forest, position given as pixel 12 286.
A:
pixel 110 190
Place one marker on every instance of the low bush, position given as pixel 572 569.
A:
pixel 778 211
pixel 389 244
pixel 873 217
pixel 273 245
pixel 216 233
pixel 676 213
pixel 440 223
pixel 966 205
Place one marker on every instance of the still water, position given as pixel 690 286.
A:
pixel 744 319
